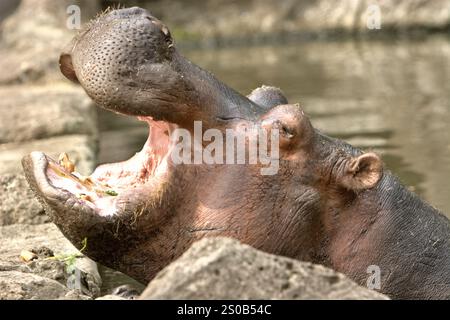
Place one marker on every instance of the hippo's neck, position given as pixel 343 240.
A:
pixel 209 91
pixel 389 205
pixel 392 228
pixel 393 197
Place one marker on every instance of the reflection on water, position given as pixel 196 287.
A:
pixel 393 97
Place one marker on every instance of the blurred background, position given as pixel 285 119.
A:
pixel 375 73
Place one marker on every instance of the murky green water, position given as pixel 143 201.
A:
pixel 392 97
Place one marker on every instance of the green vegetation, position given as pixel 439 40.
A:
pixel 70 259
pixel 111 193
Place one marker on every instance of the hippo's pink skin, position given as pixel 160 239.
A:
pixel 329 203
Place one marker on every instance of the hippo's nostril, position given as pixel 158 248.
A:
pixel 133 11
pixel 159 24
pixel 165 30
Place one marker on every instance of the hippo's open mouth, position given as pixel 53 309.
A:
pixel 126 61
pixel 109 186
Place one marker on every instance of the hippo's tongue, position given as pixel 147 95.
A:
pixel 100 191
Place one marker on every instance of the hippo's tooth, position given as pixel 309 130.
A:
pixel 65 162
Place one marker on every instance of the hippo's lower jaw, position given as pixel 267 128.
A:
pixel 108 191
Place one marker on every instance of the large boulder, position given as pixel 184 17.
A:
pixel 38 262
pixel 222 268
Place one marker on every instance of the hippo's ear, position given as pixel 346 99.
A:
pixel 362 172
pixel 66 67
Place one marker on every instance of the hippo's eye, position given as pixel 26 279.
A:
pixel 285 131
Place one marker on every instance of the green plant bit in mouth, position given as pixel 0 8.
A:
pixel 111 193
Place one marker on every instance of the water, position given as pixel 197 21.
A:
pixel 392 97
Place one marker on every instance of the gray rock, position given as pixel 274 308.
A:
pixel 15 285
pixel 37 112
pixel 222 268
pixel 7 7
pixel 34 35
pixel 111 297
pixel 52 267
pixel 17 202
pixel 74 295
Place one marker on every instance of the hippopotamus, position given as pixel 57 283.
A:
pixel 328 202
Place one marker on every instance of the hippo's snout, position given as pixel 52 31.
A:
pixel 129 12
pixel 118 56
pixel 150 29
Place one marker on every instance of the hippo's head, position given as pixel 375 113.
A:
pixel 140 214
